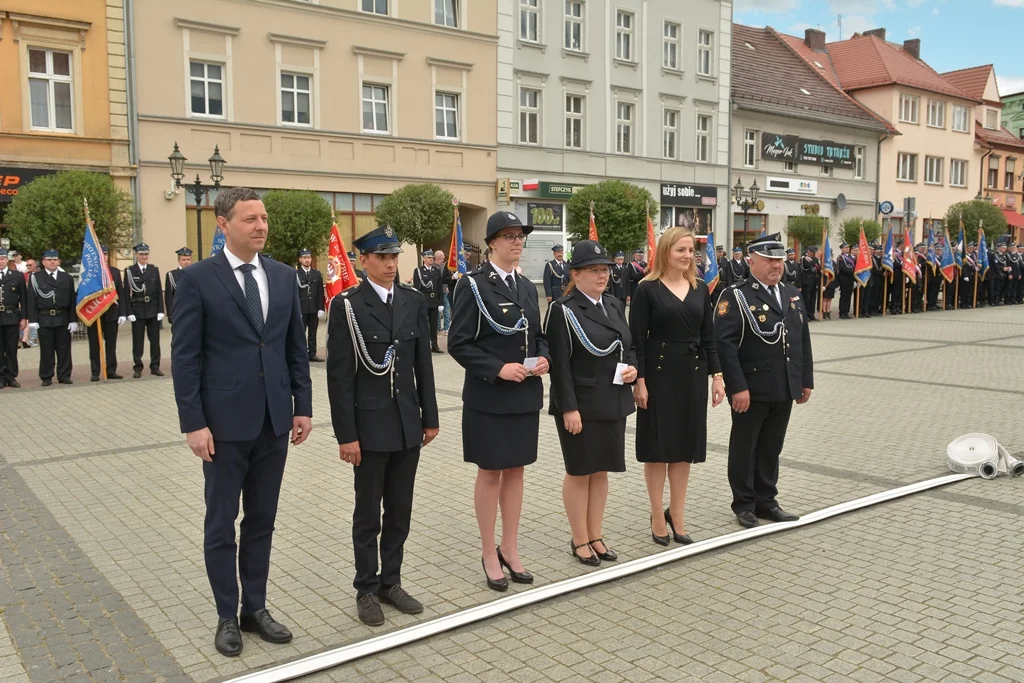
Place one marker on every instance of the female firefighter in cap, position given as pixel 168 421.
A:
pixel 496 336
pixel 672 320
pixel 593 363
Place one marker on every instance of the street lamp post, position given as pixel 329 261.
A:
pixel 745 204
pixel 198 191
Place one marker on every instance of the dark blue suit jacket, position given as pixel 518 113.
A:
pixel 226 377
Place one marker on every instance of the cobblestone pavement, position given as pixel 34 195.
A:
pixel 101 574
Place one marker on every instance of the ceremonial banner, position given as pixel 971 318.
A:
pixel 340 273
pixel 593 227
pixel 710 263
pixel 828 269
pixel 909 257
pixel 982 255
pixel 218 242
pixel 96 291
pixel 456 250
pixel 651 244
pixel 948 264
pixel 890 251
pixel 862 270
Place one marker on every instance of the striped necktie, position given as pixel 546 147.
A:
pixel 252 297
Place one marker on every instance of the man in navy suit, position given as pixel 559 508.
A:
pixel 241 382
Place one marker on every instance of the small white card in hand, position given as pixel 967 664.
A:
pixel 619 369
pixel 531 363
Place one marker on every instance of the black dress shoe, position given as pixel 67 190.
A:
pixel 315 359
pixel 137 374
pixel 608 555
pixel 228 640
pixel 65 381
pixel 270 630
pixel 436 350
pixel 660 540
pixel 679 538
pixel 592 561
pixel 370 612
pixel 13 384
pixel 157 371
pixel 94 378
pixel 47 382
pixel 400 600
pixel 747 519
pixel 777 514
pixel 499 585
pixel 114 375
pixel 517 577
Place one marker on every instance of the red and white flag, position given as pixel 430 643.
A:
pixel 341 274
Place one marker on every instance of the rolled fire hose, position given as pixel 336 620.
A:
pixel 982 455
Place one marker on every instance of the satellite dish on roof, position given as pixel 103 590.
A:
pixel 841 201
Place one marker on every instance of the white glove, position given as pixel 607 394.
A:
pixel 132 317
pixel 121 319
pixel 440 308
pixel 72 327
pixel 33 326
pixel 159 317
pixel 320 315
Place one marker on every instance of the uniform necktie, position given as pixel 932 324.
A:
pixel 600 307
pixel 511 282
pixel 772 291
pixel 252 296
pixel 388 304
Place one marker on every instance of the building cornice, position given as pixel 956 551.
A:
pixel 449 63
pixel 375 52
pixel 18 18
pixel 206 26
pixel 296 40
pixel 809 115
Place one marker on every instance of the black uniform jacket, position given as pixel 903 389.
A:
pixel 810 271
pixel 618 282
pixel 13 297
pixel 170 289
pixel 736 271
pixel 580 380
pixel 555 276
pixel 427 280
pixel 474 344
pixel 791 274
pixel 58 311
pixel 120 307
pixel 144 291
pixel 311 290
pixel 770 372
pixel 362 406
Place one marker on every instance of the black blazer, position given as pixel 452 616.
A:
pixel 483 352
pixel 120 307
pixel 362 406
pixel 770 372
pixel 227 376
pixel 13 297
pixel 58 311
pixel 580 380
pixel 149 300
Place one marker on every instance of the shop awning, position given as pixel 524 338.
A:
pixel 1013 218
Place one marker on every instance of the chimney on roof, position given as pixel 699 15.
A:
pixel 814 39
pixel 913 47
pixel 876 32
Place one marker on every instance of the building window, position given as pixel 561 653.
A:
pixel 50 85
pixel 624 36
pixel 574 121
pixel 671 47
pixel 702 151
pixel 749 148
pixel 624 128
pixel 957 173
pixel 993 171
pixel 670 134
pixel 574 26
pixel 789 167
pixel 826 170
pixel 936 114
pixel 446 116
pixel 295 98
pixel 908 108
pixel 446 13
pixel 375 6
pixel 906 167
pixel 1011 165
pixel 529 20
pixel 960 120
pixel 207 87
pixel 529 116
pixel 705 48
pixel 933 170
pixel 991 119
pixel 375 109
pixel 858 163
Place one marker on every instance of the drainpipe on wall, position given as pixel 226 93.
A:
pixel 878 169
pixel 133 114
pixel 728 187
pixel 981 173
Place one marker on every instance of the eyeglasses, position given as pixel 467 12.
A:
pixel 513 238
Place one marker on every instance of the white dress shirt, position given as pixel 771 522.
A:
pixel 258 273
pixel 778 292
pixel 381 292
pixel 504 274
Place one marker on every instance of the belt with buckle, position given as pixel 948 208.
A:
pixel 54 311
pixel 2 308
pixel 146 299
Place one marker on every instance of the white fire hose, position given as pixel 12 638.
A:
pixel 981 454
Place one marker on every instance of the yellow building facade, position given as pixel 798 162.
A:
pixel 64 103
pixel 350 98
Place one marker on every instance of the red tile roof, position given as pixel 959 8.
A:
pixel 869 62
pixel 999 137
pixel 813 58
pixel 972 81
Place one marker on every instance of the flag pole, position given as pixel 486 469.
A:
pixel 821 285
pixel 98 322
pixel 856 314
pixel 885 295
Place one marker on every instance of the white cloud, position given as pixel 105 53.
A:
pixel 914 31
pixel 766 5
pixel 1008 3
pixel 915 3
pixel 866 7
pixel 935 11
pixel 1009 84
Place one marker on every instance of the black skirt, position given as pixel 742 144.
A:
pixel 499 442
pixel 600 447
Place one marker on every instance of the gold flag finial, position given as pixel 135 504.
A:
pixel 85 204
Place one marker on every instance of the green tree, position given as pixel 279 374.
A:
pixel 807 229
pixel 48 214
pixel 620 214
pixel 421 214
pixel 973 213
pixel 296 219
pixel 850 230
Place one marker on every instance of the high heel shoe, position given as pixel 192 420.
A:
pixel 608 555
pixel 592 561
pixel 499 585
pixel 660 540
pixel 517 577
pixel 679 538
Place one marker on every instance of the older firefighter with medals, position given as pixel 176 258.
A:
pixel 145 309
pixel 380 382
pixel 764 345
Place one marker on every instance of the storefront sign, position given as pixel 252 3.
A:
pixel 680 194
pixel 826 153
pixel 544 215
pixel 506 189
pixel 779 147
pixel 12 179
pixel 794 185
pixel 558 190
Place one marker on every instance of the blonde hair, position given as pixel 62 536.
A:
pixel 661 252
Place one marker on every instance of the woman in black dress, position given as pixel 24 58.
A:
pixel 496 336
pixel 671 320
pixel 592 364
